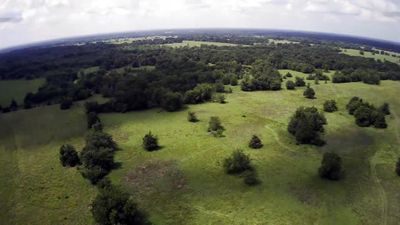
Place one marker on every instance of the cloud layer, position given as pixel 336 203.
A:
pixel 24 21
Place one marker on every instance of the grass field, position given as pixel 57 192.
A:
pixel 354 52
pixel 282 41
pixel 17 89
pixel 197 44
pixel 183 183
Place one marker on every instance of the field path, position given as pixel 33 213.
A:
pixel 277 139
pixel 382 193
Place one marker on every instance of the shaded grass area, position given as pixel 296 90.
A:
pixel 17 89
pixel 184 183
pixel 355 52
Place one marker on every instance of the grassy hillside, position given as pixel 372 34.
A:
pixel 390 58
pixel 184 183
pixel 17 89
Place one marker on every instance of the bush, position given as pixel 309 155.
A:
pixel 379 120
pixel 201 93
pixel 92 119
pixel 150 142
pixel 66 103
pixel 237 163
pixel 309 93
pixel 398 167
pixel 98 139
pixel 172 102
pixel 219 87
pixel 114 207
pixel 215 127
pixel 192 117
pixel 234 81
pixel 220 98
pixel 290 85
pixel 330 106
pixel 69 156
pixel 300 82
pixel 255 142
pixel 288 74
pixel 353 104
pixel 251 178
pixel 364 115
pixel 385 109
pixel 13 105
pixel 306 125
pixel 331 166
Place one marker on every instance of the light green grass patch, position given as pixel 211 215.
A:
pixel 355 52
pixel 17 89
pixel 186 43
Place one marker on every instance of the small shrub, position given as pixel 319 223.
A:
pixel 251 178
pixel 237 163
pixel 220 98
pixel 300 82
pixel 330 106
pixel 69 156
pixel 331 166
pixel 255 142
pixel 192 117
pixel 290 85
pixel 150 142
pixel 215 127
pixel 309 93
pixel 385 109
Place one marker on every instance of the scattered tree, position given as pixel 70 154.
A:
pixel 330 106
pixel 192 117
pixel 331 166
pixel 69 156
pixel 290 85
pixel 384 108
pixel 306 125
pixel 309 93
pixel 150 142
pixel 300 82
pixel 255 142
pixel 237 163
pixel 215 127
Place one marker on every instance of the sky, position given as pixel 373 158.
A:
pixel 27 21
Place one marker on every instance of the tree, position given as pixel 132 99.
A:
pixel 92 119
pixel 309 93
pixel 66 103
pixel 398 167
pixel 353 104
pixel 114 207
pixel 69 156
pixel 220 98
pixel 192 117
pixel 237 163
pixel 331 166
pixel 306 125
pixel 98 139
pixel 330 106
pixel 300 82
pixel 364 115
pixel 255 142
pixel 219 87
pixel 234 81
pixel 379 120
pixel 290 85
pixel 215 127
pixel 150 142
pixel 172 101
pixel 13 105
pixel 384 108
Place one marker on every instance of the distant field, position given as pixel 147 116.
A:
pixel 281 41
pixel 17 89
pixel 184 184
pixel 354 52
pixel 198 44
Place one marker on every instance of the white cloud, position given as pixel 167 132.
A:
pixel 23 21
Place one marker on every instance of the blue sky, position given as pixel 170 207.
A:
pixel 25 21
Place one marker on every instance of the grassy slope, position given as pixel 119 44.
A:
pixel 17 89
pixel 354 52
pixel 183 183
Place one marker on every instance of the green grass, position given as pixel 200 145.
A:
pixel 355 52
pixel 184 183
pixel 17 89
pixel 282 41
pixel 198 44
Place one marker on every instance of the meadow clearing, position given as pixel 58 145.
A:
pixel 184 183
pixel 187 43
pixel 17 89
pixel 355 52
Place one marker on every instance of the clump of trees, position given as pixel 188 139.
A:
pixel 368 76
pixel 307 125
pixel 69 156
pixel 309 93
pixel 255 142
pixel 150 142
pixel 215 127
pixel 331 166
pixel 299 82
pixel 191 117
pixel 330 106
pixel 366 114
pixel 201 93
pixel 66 103
pixel 290 85
pixel 112 206
pixel 262 77
pixel 172 101
pixel 97 156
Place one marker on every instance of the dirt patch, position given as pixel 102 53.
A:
pixel 156 176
